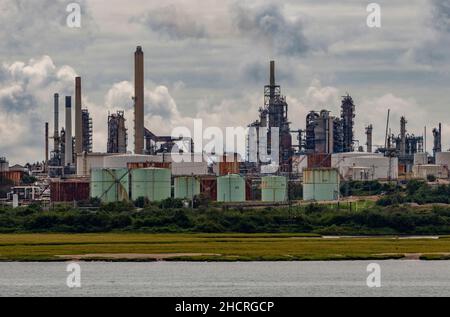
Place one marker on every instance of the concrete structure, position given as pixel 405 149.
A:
pixel 443 158
pixel 424 171
pixel 121 161
pixel 322 184
pixel 139 101
pixel 361 173
pixel 274 189
pixel 187 187
pixel 68 133
pixel 88 161
pixel 153 184
pixel 231 188
pixel 379 164
pixel 78 117
pixel 110 185
pixel 189 164
pixel 421 158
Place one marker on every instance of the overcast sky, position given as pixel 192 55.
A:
pixel 209 59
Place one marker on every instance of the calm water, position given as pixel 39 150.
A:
pixel 399 278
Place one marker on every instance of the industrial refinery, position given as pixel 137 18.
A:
pixel 316 157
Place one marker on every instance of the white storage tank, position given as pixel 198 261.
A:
pixel 443 158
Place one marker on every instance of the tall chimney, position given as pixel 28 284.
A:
pixel 56 125
pixel 68 145
pixel 78 117
pixel 369 133
pixel 272 73
pixel 403 123
pixel 46 146
pixel 139 101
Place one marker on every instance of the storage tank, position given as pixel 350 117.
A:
pixel 151 183
pixel 231 188
pixel 443 158
pixel 186 187
pixel 274 189
pixel 110 185
pixel 322 184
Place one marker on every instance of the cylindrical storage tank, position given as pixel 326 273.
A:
pixel 443 158
pixel 274 189
pixel 231 188
pixel 151 183
pixel 321 184
pixel 110 185
pixel 186 187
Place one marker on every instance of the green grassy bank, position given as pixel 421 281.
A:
pixel 214 247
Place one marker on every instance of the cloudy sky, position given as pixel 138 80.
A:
pixel 209 60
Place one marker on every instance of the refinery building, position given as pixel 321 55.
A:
pixel 317 157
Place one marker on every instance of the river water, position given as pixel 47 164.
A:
pixel 253 279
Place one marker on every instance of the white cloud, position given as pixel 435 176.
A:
pixel 26 90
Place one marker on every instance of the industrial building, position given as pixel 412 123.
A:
pixel 273 114
pixel 319 155
pixel 87 131
pixel 117 133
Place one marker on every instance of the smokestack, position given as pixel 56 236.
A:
pixel 272 73
pixel 369 133
pixel 68 145
pixel 139 101
pixel 403 123
pixel 78 117
pixel 46 146
pixel 56 125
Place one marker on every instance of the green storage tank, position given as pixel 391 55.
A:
pixel 155 184
pixel 110 185
pixel 321 184
pixel 231 188
pixel 274 189
pixel 186 187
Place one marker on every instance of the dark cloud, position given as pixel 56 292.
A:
pixel 172 22
pixel 441 15
pixel 268 23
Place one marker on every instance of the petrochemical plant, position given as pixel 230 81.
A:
pixel 318 157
